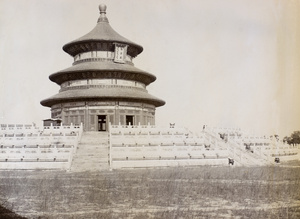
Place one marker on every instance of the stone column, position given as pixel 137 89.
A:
pixel 86 124
pixel 117 114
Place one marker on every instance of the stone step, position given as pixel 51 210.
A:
pixel 90 157
pixel 92 152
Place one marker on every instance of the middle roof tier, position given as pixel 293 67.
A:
pixel 102 70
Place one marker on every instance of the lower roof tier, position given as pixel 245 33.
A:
pixel 113 93
pixel 102 69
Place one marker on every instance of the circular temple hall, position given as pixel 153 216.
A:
pixel 103 86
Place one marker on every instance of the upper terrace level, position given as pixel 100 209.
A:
pixel 16 129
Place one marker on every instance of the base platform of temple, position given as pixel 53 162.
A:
pixel 125 146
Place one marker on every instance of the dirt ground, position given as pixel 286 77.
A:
pixel 173 192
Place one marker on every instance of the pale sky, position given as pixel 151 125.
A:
pixel 227 63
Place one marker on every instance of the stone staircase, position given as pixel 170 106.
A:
pixel 247 158
pixel 239 154
pixel 92 152
pixel 243 157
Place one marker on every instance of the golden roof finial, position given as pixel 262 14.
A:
pixel 102 9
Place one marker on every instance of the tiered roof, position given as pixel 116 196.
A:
pixel 102 38
pixel 102 32
pixel 96 69
pixel 104 94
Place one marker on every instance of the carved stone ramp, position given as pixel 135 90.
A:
pixel 246 158
pixel 238 153
pixel 92 152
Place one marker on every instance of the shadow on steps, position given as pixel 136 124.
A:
pixel 8 214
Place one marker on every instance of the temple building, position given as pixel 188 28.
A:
pixel 103 85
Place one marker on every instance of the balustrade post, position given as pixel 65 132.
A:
pixel 110 148
pixel 51 127
pixel 51 137
pixel 71 127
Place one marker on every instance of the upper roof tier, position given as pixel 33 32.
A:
pixel 102 32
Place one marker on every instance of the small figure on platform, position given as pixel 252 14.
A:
pixel 230 161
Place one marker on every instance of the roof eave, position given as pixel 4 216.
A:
pixel 68 47
pixel 50 102
pixel 100 74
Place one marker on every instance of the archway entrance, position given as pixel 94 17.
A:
pixel 101 123
pixel 129 120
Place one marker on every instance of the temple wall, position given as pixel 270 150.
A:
pixel 114 112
